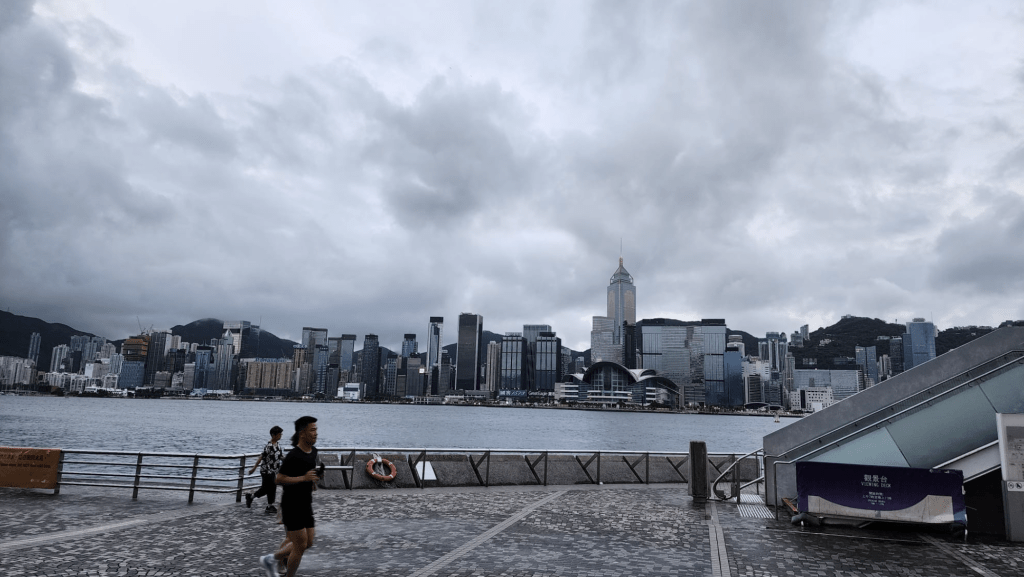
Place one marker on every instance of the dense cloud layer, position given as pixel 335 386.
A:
pixel 364 168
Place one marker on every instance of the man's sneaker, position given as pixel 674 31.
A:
pixel 248 500
pixel 282 567
pixel 270 509
pixel 269 565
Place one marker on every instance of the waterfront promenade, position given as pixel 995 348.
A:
pixel 515 531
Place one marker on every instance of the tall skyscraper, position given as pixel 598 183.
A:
pixel 918 343
pixel 348 347
pixel 493 378
pixel 435 332
pixel 241 333
pixel 159 344
pixel 311 337
pixel 896 355
pixel 602 341
pixel 512 362
pixel 468 352
pixel 664 349
pixel 321 363
pixel 370 367
pixel 530 334
pixel 409 346
pixel 714 362
pixel 547 362
pixel 621 302
pixel 33 347
pixel 867 361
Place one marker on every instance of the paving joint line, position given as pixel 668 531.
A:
pixel 451 556
pixel 69 534
pixel 971 564
pixel 716 539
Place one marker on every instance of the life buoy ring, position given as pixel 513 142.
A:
pixel 378 476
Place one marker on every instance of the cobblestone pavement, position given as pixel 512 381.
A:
pixel 602 531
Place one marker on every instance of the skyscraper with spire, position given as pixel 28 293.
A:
pixel 621 302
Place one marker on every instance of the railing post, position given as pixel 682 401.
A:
pixel 60 473
pixel 736 467
pixel 487 475
pixel 599 467
pixel 241 479
pixel 192 484
pixel 545 468
pixel 138 473
pixel 647 473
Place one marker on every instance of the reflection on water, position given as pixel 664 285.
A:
pixel 232 427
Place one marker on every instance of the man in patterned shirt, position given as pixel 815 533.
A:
pixel 269 463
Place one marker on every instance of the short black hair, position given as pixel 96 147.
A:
pixel 300 424
pixel 275 430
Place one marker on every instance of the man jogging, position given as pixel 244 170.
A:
pixel 298 478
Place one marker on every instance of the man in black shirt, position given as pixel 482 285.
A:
pixel 298 477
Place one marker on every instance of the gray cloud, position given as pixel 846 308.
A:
pixel 752 165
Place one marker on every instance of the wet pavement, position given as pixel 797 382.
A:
pixel 514 531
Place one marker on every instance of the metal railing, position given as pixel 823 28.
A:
pixel 192 472
pixel 589 461
pixel 736 483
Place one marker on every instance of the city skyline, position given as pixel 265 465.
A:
pixel 364 168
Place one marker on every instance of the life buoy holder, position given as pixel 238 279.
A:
pixel 378 476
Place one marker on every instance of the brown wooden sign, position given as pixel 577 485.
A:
pixel 29 468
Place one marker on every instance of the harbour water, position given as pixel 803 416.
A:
pixel 232 427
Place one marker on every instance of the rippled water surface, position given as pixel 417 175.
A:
pixel 232 427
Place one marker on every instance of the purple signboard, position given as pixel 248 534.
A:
pixel 881 493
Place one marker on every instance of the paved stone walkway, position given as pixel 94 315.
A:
pixel 591 531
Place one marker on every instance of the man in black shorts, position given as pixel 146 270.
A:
pixel 298 477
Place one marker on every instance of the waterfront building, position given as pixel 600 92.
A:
pixel 714 331
pixel 415 377
pixel 267 376
pixel 530 335
pixel 610 384
pixel 334 350
pixel 389 388
pixel 566 367
pixel 435 331
pixel 445 375
pixel 512 362
pixel 844 383
pixel 918 343
pixel 493 373
pixel 33 347
pixel 321 362
pixel 663 348
pixel 370 367
pixel 189 376
pixel 204 369
pixel 732 393
pixel 242 334
pixel 621 302
pixel 60 352
pixel 547 357
pixel 468 352
pixel 811 399
pixel 159 344
pixel 223 368
pixel 16 371
pixel 737 341
pixel 301 369
pixel 347 352
pixel 131 374
pixel 409 346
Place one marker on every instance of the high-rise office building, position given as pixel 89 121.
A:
pixel 203 368
pixel 435 330
pixel 714 331
pixel 468 352
pixel 512 362
pixel 530 334
pixel 311 337
pixel 334 350
pixel 389 388
pixel 348 348
pixel 664 348
pixel 409 345
pixel 493 378
pixel 242 334
pixel 412 367
pixel 896 355
pixel 732 394
pixel 33 347
pixel 370 367
pixel 918 343
pixel 602 341
pixel 621 302
pixel 547 362
pixel 445 374
pixel 322 387
pixel 159 344
pixel 868 362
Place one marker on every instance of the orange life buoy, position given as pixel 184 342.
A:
pixel 378 476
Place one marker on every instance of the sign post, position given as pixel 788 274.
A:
pixel 1011 460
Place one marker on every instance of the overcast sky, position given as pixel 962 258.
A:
pixel 365 166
